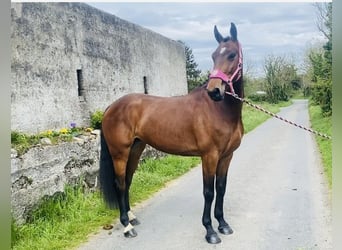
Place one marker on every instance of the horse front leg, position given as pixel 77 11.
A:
pixel 221 182
pixel 209 168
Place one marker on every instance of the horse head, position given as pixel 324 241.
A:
pixel 227 64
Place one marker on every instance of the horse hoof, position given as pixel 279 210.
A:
pixel 225 230
pixel 131 233
pixel 135 222
pixel 213 238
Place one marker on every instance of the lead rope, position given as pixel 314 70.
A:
pixel 277 116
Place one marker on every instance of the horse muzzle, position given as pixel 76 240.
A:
pixel 215 95
pixel 216 85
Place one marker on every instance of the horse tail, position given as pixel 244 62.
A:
pixel 108 185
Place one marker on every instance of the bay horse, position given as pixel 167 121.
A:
pixel 205 123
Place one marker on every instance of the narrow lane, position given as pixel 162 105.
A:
pixel 277 198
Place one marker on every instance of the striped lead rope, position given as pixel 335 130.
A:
pixel 278 117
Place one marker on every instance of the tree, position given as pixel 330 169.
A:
pixel 281 78
pixel 321 61
pixel 324 19
pixel 320 75
pixel 324 24
pixel 193 74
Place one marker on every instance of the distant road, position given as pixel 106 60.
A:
pixel 277 198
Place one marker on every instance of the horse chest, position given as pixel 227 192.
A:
pixel 232 138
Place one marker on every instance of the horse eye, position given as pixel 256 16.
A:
pixel 231 56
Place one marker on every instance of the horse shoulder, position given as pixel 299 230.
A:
pixel 236 137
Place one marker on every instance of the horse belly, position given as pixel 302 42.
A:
pixel 169 135
pixel 176 149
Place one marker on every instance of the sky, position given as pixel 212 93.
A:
pixel 285 29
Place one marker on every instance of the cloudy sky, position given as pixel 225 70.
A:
pixel 284 29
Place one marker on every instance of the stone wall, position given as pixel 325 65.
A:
pixel 44 171
pixel 70 59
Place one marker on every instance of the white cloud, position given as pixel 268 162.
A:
pixel 263 28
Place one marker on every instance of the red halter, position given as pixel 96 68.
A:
pixel 216 73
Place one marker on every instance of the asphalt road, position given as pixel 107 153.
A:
pixel 277 198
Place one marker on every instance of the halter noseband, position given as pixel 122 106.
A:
pixel 216 73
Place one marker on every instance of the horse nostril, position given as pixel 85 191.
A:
pixel 215 94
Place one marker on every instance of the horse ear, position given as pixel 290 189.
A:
pixel 233 32
pixel 218 36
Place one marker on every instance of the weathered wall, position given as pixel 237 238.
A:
pixel 45 170
pixel 51 41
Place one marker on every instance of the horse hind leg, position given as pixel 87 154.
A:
pixel 133 160
pixel 121 187
pixel 113 180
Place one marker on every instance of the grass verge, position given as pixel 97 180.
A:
pixel 324 125
pixel 252 118
pixel 66 220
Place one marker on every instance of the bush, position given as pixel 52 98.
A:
pixel 257 97
pixel 322 96
pixel 18 138
pixel 96 119
pixel 306 91
pixel 22 142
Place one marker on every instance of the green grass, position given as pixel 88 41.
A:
pixel 62 222
pixel 66 220
pixel 154 174
pixel 252 118
pixel 323 125
pixel 22 142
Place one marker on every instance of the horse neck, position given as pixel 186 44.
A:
pixel 233 104
pixel 230 105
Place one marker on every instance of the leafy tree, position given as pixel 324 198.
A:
pixel 320 75
pixel 193 74
pixel 321 61
pixel 281 78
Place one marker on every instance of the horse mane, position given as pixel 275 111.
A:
pixel 200 87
